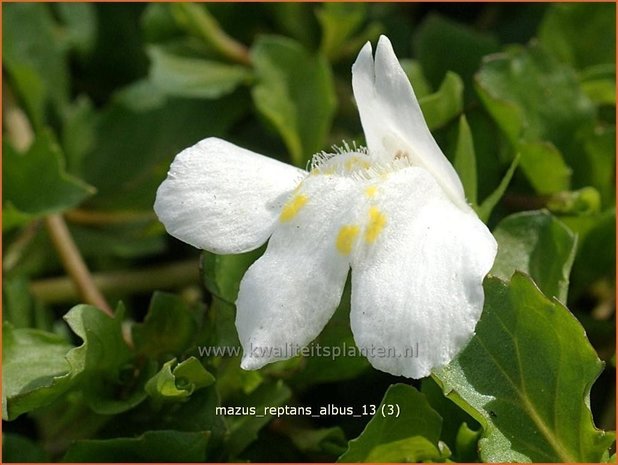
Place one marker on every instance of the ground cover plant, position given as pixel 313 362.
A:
pixel 119 341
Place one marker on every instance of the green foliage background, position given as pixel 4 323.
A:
pixel 98 98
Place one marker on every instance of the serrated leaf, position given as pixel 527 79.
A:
pixel 444 104
pixel 36 183
pixel 152 446
pixel 182 76
pixel 538 244
pixel 101 365
pixel 465 160
pixel 526 376
pixel 35 370
pixel 412 436
pixel 295 93
pixel 168 328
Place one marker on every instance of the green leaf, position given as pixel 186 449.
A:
pixel 444 104
pixel 243 429
pixel 584 201
pixel 443 45
pixel 36 182
pixel 465 160
pixel 222 273
pixel 181 76
pixel 17 448
pixel 137 135
pixel 168 328
pixel 414 71
pixel 101 366
pixel 538 244
pixel 600 150
pixel 152 446
pixel 599 84
pixel 34 370
pixel 404 429
pixel 543 165
pixel 325 440
pixel 486 207
pixel 295 93
pixel 456 419
pixel 79 24
pixel 339 22
pixel 179 382
pixel 512 84
pixel 526 376
pixel 573 32
pixel 34 58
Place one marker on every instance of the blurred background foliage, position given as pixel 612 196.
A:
pixel 97 100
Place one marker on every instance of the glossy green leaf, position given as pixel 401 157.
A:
pixel 526 376
pixel 53 191
pixel 486 207
pixel 177 381
pixel 181 76
pixel 538 244
pixel 574 32
pixel 411 436
pixel 544 167
pixel 34 369
pixel 168 328
pixel 152 446
pixel 465 160
pixel 443 45
pixel 294 93
pixel 444 104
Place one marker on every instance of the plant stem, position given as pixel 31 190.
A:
pixel 98 218
pixel 170 276
pixel 74 263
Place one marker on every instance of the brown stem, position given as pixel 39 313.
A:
pixel 74 263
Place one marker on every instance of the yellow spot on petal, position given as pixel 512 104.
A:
pixel 377 221
pixel 346 238
pixel 292 207
pixel 371 191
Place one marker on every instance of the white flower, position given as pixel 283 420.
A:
pixel 395 213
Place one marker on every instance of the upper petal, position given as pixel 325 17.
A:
pixel 289 294
pixel 417 287
pixel 222 198
pixel 392 119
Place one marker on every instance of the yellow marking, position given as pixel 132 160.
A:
pixel 371 191
pixel 377 221
pixel 350 163
pixel 292 207
pixel 346 238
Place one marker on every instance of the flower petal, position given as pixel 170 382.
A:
pixel 289 294
pixel 392 119
pixel 222 198
pixel 417 287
